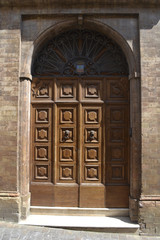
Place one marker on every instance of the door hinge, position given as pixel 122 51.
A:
pixel 130 132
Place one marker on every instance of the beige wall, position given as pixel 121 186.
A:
pixel 9 118
pixel 150 95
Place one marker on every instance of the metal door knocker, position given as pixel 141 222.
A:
pixel 91 134
pixel 66 134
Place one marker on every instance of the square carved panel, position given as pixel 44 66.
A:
pixel 66 154
pixel 66 115
pixel 66 90
pixel 117 134
pixel 41 153
pixel 66 134
pixel 117 172
pixel 91 115
pixel 41 172
pixel 117 153
pixel 42 134
pixel 91 154
pixel 41 89
pixel 91 173
pixel 91 135
pixel 118 89
pixel 66 172
pixel 91 90
pixel 42 115
pixel 117 115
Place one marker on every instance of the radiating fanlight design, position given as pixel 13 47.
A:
pixel 80 53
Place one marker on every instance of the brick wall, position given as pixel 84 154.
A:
pixel 9 70
pixel 150 96
pixel 9 91
pixel 150 217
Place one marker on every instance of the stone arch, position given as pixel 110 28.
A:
pixel 28 53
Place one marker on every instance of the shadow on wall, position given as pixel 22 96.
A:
pixel 11 15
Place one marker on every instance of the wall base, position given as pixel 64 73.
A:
pixel 133 209
pixel 149 215
pixel 14 207
pixel 10 208
pixel 25 206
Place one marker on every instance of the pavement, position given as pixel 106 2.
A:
pixel 14 231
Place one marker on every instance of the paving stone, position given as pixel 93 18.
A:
pixel 17 232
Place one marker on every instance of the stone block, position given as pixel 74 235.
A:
pixel 10 209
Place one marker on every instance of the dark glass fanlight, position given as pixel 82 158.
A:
pixel 80 52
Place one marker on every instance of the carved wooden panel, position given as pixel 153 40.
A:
pixel 67 90
pixel 92 115
pixel 92 154
pixel 41 142
pixel 117 153
pixel 117 115
pixel 42 115
pixel 117 143
pixel 92 143
pixel 117 173
pixel 42 89
pixel 91 173
pixel 42 134
pixel 117 90
pixel 66 172
pixel 41 153
pixel 67 143
pixel 67 154
pixel 117 134
pixel 91 90
pixel 41 172
pixel 67 115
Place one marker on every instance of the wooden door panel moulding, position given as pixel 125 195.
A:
pixel 77 162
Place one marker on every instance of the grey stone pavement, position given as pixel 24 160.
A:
pixel 11 231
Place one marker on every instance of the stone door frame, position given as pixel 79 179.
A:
pixel 28 50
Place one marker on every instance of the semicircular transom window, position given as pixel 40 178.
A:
pixel 80 53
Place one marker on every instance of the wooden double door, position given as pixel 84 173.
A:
pixel 80 142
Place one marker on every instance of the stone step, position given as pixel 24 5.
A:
pixel 74 211
pixel 89 223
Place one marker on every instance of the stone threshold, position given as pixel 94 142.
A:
pixel 94 223
pixel 105 224
pixel 75 211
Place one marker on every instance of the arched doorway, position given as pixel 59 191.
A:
pixel 80 122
